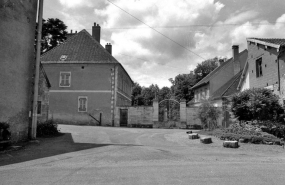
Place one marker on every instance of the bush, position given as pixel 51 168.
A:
pixel 256 104
pixel 4 125
pixel 208 114
pixel 47 128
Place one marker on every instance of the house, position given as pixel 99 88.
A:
pixel 43 96
pixel 265 66
pixel 88 83
pixel 221 81
pixel 17 60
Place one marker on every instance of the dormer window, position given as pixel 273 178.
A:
pixel 63 57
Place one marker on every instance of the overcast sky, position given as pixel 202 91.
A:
pixel 203 29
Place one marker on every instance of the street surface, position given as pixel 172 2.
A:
pixel 130 156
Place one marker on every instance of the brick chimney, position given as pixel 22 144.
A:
pixel 236 61
pixel 96 31
pixel 108 47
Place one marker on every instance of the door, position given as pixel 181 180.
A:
pixel 123 117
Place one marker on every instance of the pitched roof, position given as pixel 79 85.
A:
pixel 228 88
pixel 80 47
pixel 207 78
pixel 274 42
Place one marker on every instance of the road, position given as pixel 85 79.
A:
pixel 131 156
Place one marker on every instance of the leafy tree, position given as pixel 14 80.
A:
pixel 181 86
pixel 53 33
pixel 204 68
pixel 209 115
pixel 256 104
pixel 164 93
pixel 137 98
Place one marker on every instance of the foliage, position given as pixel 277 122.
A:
pixel 256 104
pixel 47 128
pixel 181 86
pixel 208 114
pixel 204 68
pixel 53 33
pixel 4 125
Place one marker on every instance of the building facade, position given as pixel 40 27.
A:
pixel 88 83
pixel 17 58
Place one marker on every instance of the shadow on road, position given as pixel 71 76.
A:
pixel 46 147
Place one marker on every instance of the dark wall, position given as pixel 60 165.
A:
pixel 17 28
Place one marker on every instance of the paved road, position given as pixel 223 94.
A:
pixel 150 156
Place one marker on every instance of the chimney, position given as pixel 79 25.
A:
pixel 108 47
pixel 96 31
pixel 236 61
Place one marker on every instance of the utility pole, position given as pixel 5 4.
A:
pixel 37 73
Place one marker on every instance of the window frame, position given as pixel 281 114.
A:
pixel 258 65
pixel 86 104
pixel 60 78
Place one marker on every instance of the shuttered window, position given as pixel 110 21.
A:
pixel 82 104
pixel 65 79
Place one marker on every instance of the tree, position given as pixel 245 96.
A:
pixel 164 93
pixel 204 68
pixel 256 104
pixel 181 86
pixel 209 115
pixel 137 98
pixel 53 33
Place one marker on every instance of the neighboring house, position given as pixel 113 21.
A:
pixel 221 82
pixel 265 66
pixel 43 98
pixel 86 80
pixel 17 60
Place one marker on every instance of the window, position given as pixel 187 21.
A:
pixel 82 104
pixel 64 79
pixel 39 111
pixel 259 67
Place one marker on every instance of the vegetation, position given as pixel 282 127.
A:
pixel 208 114
pixel 47 128
pixel 53 33
pixel 256 104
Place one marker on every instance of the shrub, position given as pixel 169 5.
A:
pixel 4 125
pixel 208 114
pixel 256 104
pixel 47 128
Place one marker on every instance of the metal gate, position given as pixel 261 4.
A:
pixel 169 112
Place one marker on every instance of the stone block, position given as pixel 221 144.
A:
pixel 193 136
pixel 230 144
pixel 206 140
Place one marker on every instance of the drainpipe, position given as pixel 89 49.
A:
pixel 36 86
pixel 278 66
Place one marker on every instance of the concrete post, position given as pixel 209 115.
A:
pixel 155 111
pixel 183 112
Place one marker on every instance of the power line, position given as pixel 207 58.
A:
pixel 157 31
pixel 148 61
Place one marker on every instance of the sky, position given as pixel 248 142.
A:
pixel 158 39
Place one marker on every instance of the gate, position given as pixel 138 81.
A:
pixel 123 117
pixel 169 112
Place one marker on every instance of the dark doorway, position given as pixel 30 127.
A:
pixel 123 117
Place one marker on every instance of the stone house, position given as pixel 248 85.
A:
pixel 217 83
pixel 43 98
pixel 87 81
pixel 265 66
pixel 17 39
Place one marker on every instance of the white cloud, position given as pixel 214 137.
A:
pixel 75 3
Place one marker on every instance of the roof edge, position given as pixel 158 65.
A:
pixel 263 42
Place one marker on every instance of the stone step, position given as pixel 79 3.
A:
pixel 206 140
pixel 230 144
pixel 193 136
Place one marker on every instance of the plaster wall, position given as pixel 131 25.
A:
pixel 17 38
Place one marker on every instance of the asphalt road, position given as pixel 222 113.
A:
pixel 150 156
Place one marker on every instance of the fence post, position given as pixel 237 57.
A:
pixel 155 111
pixel 183 112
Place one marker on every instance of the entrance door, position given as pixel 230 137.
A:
pixel 123 117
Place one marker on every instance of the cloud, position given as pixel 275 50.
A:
pixel 75 3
